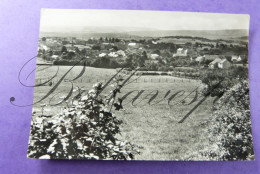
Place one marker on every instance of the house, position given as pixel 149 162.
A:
pixel 102 55
pixel 235 58
pixel 54 56
pixel 214 63
pixel 224 64
pixel 154 56
pixel 43 47
pixel 121 53
pixel 81 47
pixel 132 44
pixel 200 59
pixel 113 54
pixel 212 57
pixel 181 52
pixel 205 48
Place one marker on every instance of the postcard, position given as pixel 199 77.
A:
pixel 141 85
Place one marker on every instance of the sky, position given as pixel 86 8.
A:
pixel 61 20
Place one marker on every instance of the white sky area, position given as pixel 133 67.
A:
pixel 133 20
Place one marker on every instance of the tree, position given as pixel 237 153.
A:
pixel 173 48
pixel 223 46
pixel 114 64
pixel 64 42
pixel 157 52
pixel 193 63
pixel 162 68
pixel 50 53
pixel 240 72
pixel 188 44
pixel 77 50
pixel 90 41
pixel 140 60
pixel 96 47
pixel 83 51
pixel 228 58
pixel 207 61
pixel 44 39
pixel 129 61
pixel 63 49
pixel 230 129
pixel 95 63
pixel 115 48
pixel 144 55
pixel 216 84
pixel 71 55
pixel 244 61
pixel 104 61
pixel 166 53
pixel 154 67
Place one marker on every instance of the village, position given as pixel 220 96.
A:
pixel 174 55
pixel 140 85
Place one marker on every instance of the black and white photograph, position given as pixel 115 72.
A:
pixel 141 85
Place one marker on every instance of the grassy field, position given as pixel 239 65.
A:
pixel 154 127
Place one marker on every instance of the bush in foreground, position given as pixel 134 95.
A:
pixel 85 131
pixel 230 129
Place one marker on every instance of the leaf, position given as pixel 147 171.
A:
pixel 118 106
pixel 111 138
pixel 131 156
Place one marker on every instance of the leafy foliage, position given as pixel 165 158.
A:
pixel 213 78
pixel 86 130
pixel 230 130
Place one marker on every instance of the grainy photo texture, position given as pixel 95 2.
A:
pixel 140 85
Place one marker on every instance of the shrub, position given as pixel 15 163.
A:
pixel 69 62
pixel 84 131
pixel 230 130
pixel 142 69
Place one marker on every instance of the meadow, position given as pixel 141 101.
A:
pixel 153 126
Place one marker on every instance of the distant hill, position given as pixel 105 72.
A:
pixel 86 35
pixel 243 38
pixel 209 34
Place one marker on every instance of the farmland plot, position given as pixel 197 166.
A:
pixel 152 124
